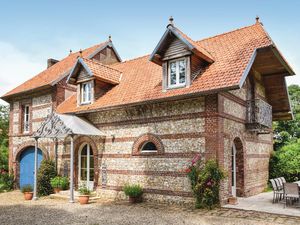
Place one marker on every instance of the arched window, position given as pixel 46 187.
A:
pixel 148 144
pixel 149 147
pixel 86 166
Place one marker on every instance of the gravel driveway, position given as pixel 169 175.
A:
pixel 46 211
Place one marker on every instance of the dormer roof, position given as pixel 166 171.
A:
pixel 95 70
pixel 191 45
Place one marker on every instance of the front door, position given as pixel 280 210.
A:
pixel 27 166
pixel 86 167
pixel 233 171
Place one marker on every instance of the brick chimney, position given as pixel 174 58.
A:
pixel 51 62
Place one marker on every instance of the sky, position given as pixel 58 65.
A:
pixel 32 31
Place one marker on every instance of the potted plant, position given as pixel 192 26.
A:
pixel 56 184
pixel 27 191
pixel 134 192
pixel 84 195
pixel 59 183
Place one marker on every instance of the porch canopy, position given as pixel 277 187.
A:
pixel 60 126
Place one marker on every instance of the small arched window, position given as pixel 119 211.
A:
pixel 148 144
pixel 149 147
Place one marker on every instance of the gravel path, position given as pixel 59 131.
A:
pixel 46 211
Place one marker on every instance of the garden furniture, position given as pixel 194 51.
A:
pixel 291 193
pixel 277 193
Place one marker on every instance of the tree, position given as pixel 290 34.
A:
pixel 4 126
pixel 289 131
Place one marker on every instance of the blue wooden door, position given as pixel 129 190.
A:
pixel 27 166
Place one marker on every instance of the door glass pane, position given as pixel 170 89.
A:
pixel 83 174
pixel 173 73
pixel 182 71
pixel 91 174
pixel 91 162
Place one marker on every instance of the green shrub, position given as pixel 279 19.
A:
pixel 134 190
pixel 60 182
pixel 45 174
pixel 205 180
pixel 6 181
pixel 27 188
pixel 83 190
pixel 285 162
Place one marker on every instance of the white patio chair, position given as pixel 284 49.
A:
pixel 283 179
pixel 277 194
pixel 291 193
pixel 279 183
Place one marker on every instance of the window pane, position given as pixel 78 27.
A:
pixel 91 162
pixel 182 71
pixel 149 146
pixel 83 162
pixel 173 73
pixel 91 174
pixel 83 174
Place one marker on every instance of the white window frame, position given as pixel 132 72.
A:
pixel 177 85
pixel 26 119
pixel 85 97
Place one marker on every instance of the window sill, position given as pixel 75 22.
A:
pixel 176 87
pixel 85 103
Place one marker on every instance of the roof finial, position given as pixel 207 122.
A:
pixel 71 51
pixel 109 38
pixel 257 19
pixel 80 53
pixel 171 21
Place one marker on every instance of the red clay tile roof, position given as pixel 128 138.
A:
pixel 54 73
pixel 142 79
pixel 103 72
pixel 201 49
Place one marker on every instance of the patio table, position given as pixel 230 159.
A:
pixel 297 182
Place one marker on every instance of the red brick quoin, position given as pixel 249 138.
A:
pixel 141 140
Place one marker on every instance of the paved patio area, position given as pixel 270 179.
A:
pixel 263 203
pixel 14 210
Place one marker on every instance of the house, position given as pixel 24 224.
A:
pixel 217 97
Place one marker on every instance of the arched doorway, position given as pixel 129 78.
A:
pixel 237 168
pixel 27 165
pixel 86 172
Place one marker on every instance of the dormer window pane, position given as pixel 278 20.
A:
pixel 182 71
pixel 177 73
pixel 86 89
pixel 173 73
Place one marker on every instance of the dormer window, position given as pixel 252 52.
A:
pixel 86 92
pixel 177 73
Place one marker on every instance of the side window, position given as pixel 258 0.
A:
pixel 26 119
pixel 177 73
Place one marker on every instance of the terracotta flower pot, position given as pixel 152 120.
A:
pixel 56 190
pixel 84 199
pixel 134 200
pixel 232 200
pixel 28 195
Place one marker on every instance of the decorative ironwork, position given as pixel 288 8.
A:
pixel 259 116
pixel 53 127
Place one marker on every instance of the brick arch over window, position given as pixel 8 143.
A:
pixel 240 164
pixel 143 139
pixel 77 144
